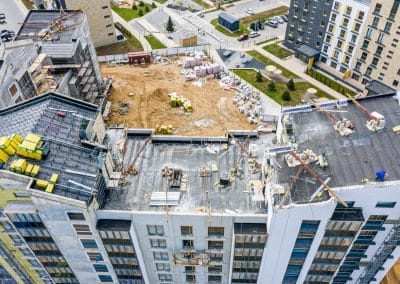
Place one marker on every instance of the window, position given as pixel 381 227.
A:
pixel 163 267
pixel 100 267
pixel 155 230
pixel 215 244
pixel 214 278
pixel 75 216
pixel 378 8
pixel 21 195
pixel 110 34
pixel 95 256
pixel 82 229
pixel 380 38
pixel 369 33
pixel 160 255
pixel 108 26
pixel 375 22
pixel 158 243
pixel 191 278
pixel 360 15
pixel 215 269
pixel 348 10
pixel 106 16
pixel 388 27
pixel 165 277
pixel 190 269
pixel 186 230
pixel 104 7
pixel 379 51
pixel 215 231
pixel 105 278
pixel 88 243
pixel 188 244
pixel 13 89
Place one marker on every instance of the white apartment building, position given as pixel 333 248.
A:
pixel 345 24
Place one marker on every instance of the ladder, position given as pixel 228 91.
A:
pixel 391 241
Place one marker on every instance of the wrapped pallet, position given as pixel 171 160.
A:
pixel 50 188
pixel 5 145
pixel 20 166
pixel 53 179
pixel 35 171
pixel 41 183
pixel 3 157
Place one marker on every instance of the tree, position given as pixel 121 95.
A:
pixel 290 85
pixel 141 3
pixel 140 13
pixel 153 5
pixel 272 87
pixel 147 9
pixel 170 25
pixel 286 95
pixel 134 7
pixel 259 77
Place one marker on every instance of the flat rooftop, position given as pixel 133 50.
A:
pixel 51 25
pixel 350 158
pixel 67 155
pixel 146 190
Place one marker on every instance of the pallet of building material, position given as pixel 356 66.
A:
pixel 18 166
pixel 6 146
pixel 3 157
pixel 41 183
pixel 28 169
pixel 50 188
pixel 35 171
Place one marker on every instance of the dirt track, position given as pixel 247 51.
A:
pixel 146 90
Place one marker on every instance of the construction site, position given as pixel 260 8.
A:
pixel 185 97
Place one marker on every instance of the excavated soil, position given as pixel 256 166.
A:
pixel 146 91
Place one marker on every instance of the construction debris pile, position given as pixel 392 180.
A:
pixel 180 101
pixel 195 66
pixel 122 108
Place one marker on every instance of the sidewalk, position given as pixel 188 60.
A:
pixel 298 67
pixel 134 32
pixel 156 33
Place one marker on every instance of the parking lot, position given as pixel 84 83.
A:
pixel 15 14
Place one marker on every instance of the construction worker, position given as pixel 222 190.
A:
pixel 380 175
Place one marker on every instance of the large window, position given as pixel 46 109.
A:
pixel 75 216
pixel 382 204
pixel 82 229
pixel 163 267
pixel 95 256
pixel 165 277
pixel 215 231
pixel 155 230
pixel 186 230
pixel 215 244
pixel 105 278
pixel 158 243
pixel 88 243
pixel 100 267
pixel 160 255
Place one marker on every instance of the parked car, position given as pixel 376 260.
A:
pixel 285 18
pixel 227 53
pixel 200 15
pixel 254 34
pixel 278 19
pixel 2 18
pixel 243 37
pixel 272 23
pixel 249 11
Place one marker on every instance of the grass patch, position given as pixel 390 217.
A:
pixel 249 75
pixel 264 15
pixel 331 83
pixel 154 42
pixel 128 13
pixel 28 4
pixel 278 51
pixel 202 3
pixel 267 40
pixel 161 1
pixel 131 44
pixel 218 27
pixel 267 61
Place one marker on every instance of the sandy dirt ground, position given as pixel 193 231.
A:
pixel 146 91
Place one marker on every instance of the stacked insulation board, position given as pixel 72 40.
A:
pixel 31 147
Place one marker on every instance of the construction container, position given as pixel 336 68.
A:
pixel 41 183
pixel 139 57
pixel 35 171
pixel 5 145
pixel 50 188
pixel 28 169
pixel 53 178
pixel 3 157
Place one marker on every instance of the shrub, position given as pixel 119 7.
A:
pixel 147 9
pixel 134 7
pixel 286 95
pixel 259 77
pixel 290 85
pixel 140 13
pixel 153 5
pixel 141 3
pixel 170 25
pixel 272 87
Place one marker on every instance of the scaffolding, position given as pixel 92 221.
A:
pixel 383 253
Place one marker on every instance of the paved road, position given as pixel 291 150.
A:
pixel 15 13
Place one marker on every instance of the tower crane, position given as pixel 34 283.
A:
pixel 376 122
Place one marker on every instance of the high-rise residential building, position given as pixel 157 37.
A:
pixel 359 41
pixel 52 51
pixel 90 205
pixel 377 56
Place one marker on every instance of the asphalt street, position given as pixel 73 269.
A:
pixel 15 14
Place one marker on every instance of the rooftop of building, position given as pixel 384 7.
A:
pixel 351 159
pixel 76 165
pixel 187 192
pixel 51 26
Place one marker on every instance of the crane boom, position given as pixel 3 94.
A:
pixel 327 113
pixel 363 109
pixel 291 186
pixel 316 176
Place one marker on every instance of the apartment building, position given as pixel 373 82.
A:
pixel 52 51
pixel 376 57
pixel 306 27
pixel 343 34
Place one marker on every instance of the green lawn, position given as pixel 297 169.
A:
pixel 249 75
pixel 242 29
pixel 267 40
pixel 130 14
pixel 278 51
pixel 267 61
pixel 330 82
pixel 161 1
pixel 264 15
pixel 202 3
pixel 28 4
pixel 154 42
